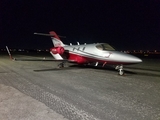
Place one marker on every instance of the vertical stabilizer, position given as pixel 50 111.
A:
pixel 56 40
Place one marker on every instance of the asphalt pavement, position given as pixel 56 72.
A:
pixel 38 90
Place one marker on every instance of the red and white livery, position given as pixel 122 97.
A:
pixel 97 54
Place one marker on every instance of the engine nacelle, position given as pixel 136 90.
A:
pixel 57 50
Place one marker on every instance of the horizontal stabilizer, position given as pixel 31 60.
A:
pixel 43 34
pixel 50 35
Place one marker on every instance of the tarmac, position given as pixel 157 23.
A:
pixel 38 90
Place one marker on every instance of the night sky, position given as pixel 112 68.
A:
pixel 124 24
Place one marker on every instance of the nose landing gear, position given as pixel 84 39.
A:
pixel 120 69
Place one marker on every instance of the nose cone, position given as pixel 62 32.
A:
pixel 134 59
pixel 126 58
pixel 131 59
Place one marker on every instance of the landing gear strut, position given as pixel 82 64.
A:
pixel 120 69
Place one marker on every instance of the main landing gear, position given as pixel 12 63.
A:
pixel 61 65
pixel 120 69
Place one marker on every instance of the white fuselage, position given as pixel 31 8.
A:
pixel 92 53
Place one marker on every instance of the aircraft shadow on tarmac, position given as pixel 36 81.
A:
pixel 127 72
pixel 147 69
pixel 142 71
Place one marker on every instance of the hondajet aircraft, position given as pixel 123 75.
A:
pixel 89 54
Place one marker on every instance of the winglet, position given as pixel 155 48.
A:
pixel 9 53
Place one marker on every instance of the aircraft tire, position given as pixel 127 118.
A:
pixel 121 72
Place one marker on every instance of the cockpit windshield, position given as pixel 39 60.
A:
pixel 104 46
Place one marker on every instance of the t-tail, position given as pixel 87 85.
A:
pixel 56 40
pixel 58 50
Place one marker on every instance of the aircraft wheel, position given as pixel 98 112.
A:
pixel 61 65
pixel 121 72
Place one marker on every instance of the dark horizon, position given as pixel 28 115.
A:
pixel 129 25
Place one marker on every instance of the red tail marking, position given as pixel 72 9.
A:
pixel 54 34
